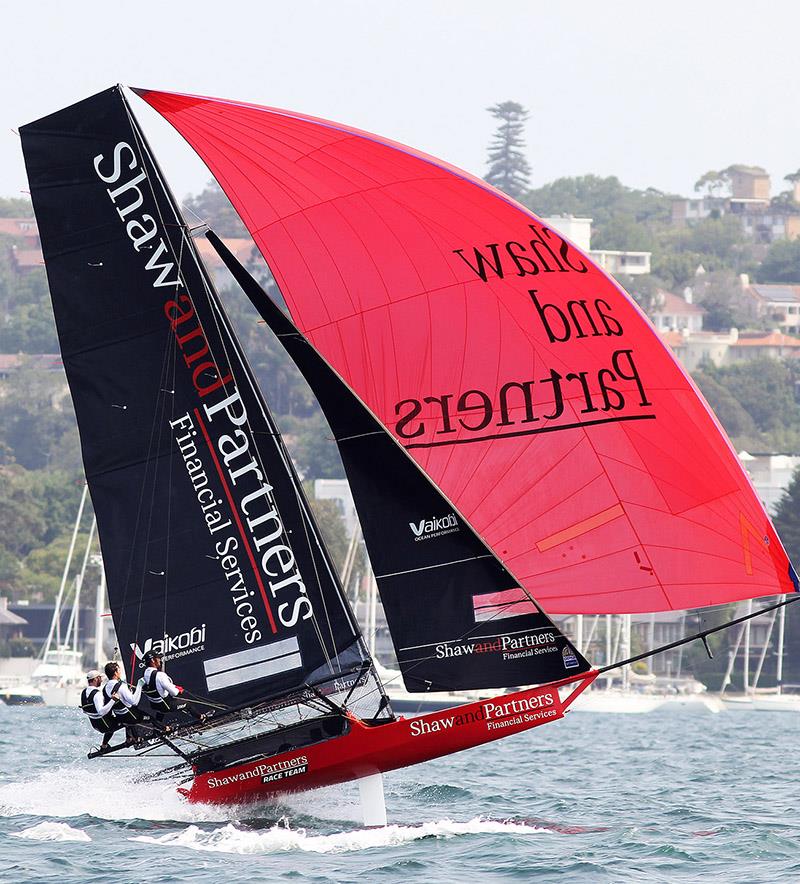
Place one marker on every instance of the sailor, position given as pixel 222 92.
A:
pixel 99 712
pixel 161 690
pixel 125 702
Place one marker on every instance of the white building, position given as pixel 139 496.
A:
pixel 770 475
pixel 579 232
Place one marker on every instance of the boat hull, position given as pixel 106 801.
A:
pixel 364 749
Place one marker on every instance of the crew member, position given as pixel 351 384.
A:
pixel 98 711
pixel 161 690
pixel 124 711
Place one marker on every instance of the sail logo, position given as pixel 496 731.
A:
pixel 527 710
pixel 426 529
pixel 569 658
pixel 279 770
pixel 511 646
pixel 172 646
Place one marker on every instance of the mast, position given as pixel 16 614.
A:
pixel 55 623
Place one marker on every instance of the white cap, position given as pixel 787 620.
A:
pixel 92 674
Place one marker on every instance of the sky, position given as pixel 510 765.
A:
pixel 655 93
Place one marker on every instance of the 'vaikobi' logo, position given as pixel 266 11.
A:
pixel 434 527
pixel 172 646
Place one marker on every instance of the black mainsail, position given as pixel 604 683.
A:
pixel 457 617
pixel 210 551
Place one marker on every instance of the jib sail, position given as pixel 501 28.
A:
pixel 524 382
pixel 458 619
pixel 210 551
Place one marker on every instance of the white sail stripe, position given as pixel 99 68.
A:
pixel 428 567
pixel 250 673
pixel 251 655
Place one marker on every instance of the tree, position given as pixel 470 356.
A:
pixel 712 182
pixel 787 518
pixel 781 263
pixel 212 207
pixel 508 169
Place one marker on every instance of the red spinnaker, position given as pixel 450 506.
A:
pixel 520 377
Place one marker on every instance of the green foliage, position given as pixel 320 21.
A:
pixel 781 263
pixel 331 523
pixel 787 518
pixel 15 207
pixel 212 207
pixel 508 168
pixel 38 421
pixel 755 403
pixel 39 509
pixel 312 447
pixel 732 414
pixel 713 182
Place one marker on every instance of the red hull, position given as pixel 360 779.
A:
pixel 365 750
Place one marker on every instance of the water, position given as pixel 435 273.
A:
pixel 659 797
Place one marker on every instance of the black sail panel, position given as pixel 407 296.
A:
pixel 210 552
pixel 457 617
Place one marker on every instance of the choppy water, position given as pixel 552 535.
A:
pixel 658 797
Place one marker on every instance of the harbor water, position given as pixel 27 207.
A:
pixel 596 797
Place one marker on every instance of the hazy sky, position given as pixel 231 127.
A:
pixel 655 93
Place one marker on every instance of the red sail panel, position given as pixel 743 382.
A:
pixel 520 377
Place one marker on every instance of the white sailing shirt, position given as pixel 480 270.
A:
pixel 128 697
pixel 164 684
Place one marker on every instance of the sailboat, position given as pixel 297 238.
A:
pixel 510 426
pixel 60 676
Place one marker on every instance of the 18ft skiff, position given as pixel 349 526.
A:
pixel 514 433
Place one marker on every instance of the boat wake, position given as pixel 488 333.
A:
pixel 281 838
pixel 52 832
pixel 65 792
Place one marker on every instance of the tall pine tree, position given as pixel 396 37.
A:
pixel 508 169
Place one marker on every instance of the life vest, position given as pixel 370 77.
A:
pixel 119 708
pixel 150 689
pixel 87 702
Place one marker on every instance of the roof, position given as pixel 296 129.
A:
pixel 672 338
pixel 24 227
pixel 782 294
pixel 7 618
pixel 773 339
pixel 747 170
pixel 41 361
pixel 28 257
pixel 674 305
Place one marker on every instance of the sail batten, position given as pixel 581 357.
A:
pixel 508 365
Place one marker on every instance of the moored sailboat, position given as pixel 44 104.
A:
pixel 475 503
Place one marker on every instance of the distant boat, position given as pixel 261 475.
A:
pixel 21 695
pixel 60 676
